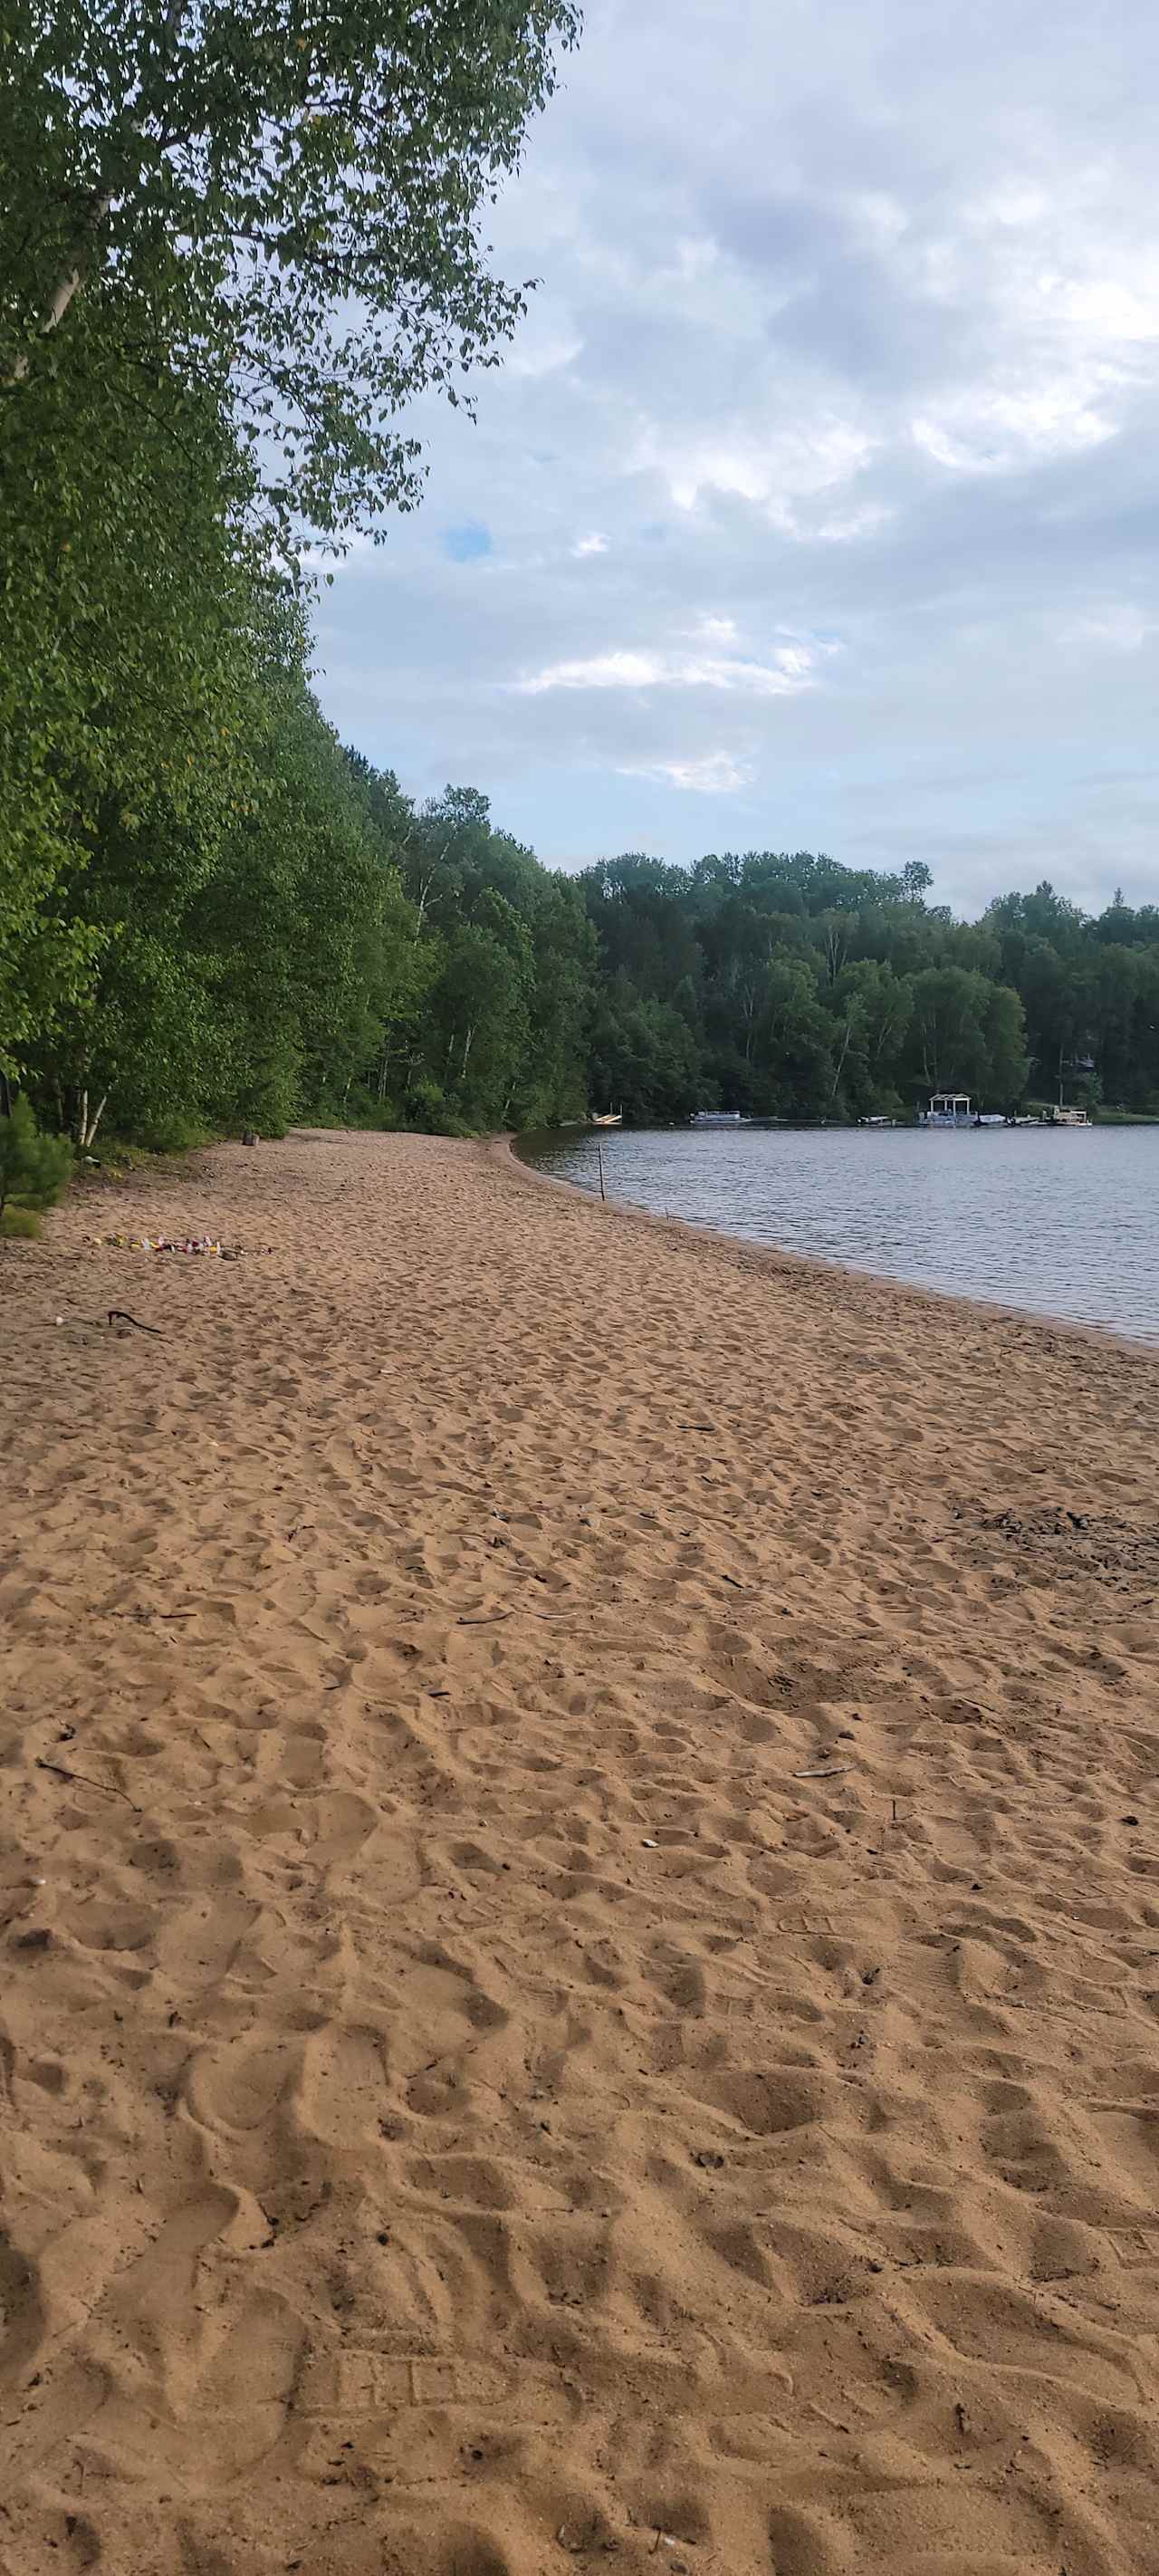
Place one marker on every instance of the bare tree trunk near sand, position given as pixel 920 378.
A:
pixel 89 1126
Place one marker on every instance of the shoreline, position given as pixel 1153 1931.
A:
pixel 580 1868
pixel 815 1264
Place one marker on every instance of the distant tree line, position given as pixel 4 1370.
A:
pixel 787 986
pixel 267 930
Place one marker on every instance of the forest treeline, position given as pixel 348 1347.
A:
pixel 788 986
pixel 281 934
pixel 237 243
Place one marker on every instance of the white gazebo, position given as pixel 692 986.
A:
pixel 947 1109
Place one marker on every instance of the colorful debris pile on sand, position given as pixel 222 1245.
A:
pixel 203 1243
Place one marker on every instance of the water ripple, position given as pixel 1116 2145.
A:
pixel 1062 1223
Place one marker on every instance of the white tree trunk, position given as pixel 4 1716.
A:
pixel 99 204
pixel 87 1126
pixel 841 1059
pixel 60 300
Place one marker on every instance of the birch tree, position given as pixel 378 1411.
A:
pixel 286 200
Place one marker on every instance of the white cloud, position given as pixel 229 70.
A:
pixel 548 339
pixel 1119 627
pixel 790 668
pixel 593 545
pixel 322 558
pixel 877 216
pixel 845 528
pixel 771 468
pixel 602 671
pixel 997 432
pixel 717 773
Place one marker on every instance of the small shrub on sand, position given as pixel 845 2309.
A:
pixel 33 1171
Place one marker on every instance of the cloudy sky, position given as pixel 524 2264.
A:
pixel 816 505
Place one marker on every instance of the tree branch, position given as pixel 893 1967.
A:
pixel 96 211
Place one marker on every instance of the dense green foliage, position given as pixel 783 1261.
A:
pixel 33 1170
pixel 234 243
pixel 310 945
pixel 281 202
pixel 790 987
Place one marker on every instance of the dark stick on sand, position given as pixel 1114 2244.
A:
pixel 106 1787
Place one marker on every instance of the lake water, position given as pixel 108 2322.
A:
pixel 1060 1222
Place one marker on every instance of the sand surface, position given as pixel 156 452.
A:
pixel 585 1986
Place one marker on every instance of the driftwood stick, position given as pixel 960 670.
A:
pixel 86 1777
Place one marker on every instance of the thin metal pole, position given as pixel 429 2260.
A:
pixel 600 1152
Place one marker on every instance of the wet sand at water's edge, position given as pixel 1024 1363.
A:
pixel 580 1925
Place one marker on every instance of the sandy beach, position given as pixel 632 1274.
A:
pixel 580 1881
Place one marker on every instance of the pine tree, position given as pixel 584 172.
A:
pixel 33 1170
